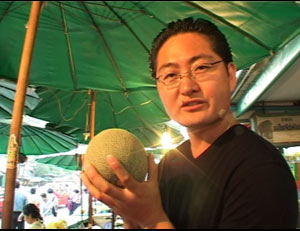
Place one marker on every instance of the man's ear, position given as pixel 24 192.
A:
pixel 232 76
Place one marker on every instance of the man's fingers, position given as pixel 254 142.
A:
pixel 100 183
pixel 124 177
pixel 95 192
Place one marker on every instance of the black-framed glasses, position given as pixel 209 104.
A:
pixel 199 72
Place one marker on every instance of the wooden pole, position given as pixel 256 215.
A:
pixel 17 117
pixel 92 134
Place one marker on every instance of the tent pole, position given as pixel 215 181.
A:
pixel 92 134
pixel 17 117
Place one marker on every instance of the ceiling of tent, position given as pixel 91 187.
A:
pixel 105 45
pixel 140 112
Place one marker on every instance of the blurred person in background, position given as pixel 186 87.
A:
pixel 33 217
pixel 19 202
pixel 53 200
pixel 33 197
pixel 45 206
pixel 75 201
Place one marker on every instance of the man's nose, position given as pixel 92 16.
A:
pixel 188 84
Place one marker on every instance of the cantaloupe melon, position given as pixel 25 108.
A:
pixel 126 147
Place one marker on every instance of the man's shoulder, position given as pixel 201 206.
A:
pixel 242 137
pixel 251 151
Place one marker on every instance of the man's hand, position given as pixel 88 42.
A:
pixel 139 203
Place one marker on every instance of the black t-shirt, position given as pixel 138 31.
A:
pixel 240 181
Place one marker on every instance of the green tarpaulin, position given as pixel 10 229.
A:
pixel 7 98
pixel 105 45
pixel 70 162
pixel 139 112
pixel 37 141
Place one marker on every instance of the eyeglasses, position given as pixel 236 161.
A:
pixel 200 72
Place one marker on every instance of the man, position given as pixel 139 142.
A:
pixel 53 201
pixel 19 202
pixel 75 201
pixel 224 176
pixel 33 197
pixel 45 206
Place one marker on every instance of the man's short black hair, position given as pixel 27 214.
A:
pixel 204 27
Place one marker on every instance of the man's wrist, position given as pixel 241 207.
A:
pixel 162 223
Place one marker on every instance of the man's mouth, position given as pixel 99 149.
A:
pixel 192 102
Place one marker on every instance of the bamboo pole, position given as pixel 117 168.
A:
pixel 17 117
pixel 92 134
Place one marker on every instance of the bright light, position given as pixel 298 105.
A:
pixel 184 133
pixel 290 151
pixel 173 124
pixel 166 140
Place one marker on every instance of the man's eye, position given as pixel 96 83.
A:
pixel 202 68
pixel 170 76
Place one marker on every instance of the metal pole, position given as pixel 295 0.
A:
pixel 92 134
pixel 17 117
pixel 113 219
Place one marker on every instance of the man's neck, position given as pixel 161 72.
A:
pixel 201 138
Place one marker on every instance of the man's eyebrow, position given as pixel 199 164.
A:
pixel 167 65
pixel 193 59
pixel 201 56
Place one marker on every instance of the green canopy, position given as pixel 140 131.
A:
pixel 37 141
pixel 139 112
pixel 150 137
pixel 71 162
pixel 104 45
pixel 7 98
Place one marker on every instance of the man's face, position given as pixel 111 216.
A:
pixel 200 102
